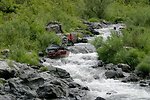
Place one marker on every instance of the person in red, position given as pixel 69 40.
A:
pixel 70 39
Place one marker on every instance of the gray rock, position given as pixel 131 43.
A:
pixel 100 98
pixel 131 78
pixel 114 74
pixel 58 72
pixel 6 71
pixel 7 97
pixel 82 48
pixel 100 63
pixel 51 91
pixel 143 83
pixel 54 26
pixel 124 67
pixel 77 94
pixel 110 66
pixel 19 90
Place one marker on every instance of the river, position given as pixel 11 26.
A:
pixel 79 65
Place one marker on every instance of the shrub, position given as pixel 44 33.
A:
pixel 144 66
pixel 108 50
pixel 24 56
pixel 98 42
pixel 133 57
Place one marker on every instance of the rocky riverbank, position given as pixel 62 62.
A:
pixel 124 73
pixel 22 82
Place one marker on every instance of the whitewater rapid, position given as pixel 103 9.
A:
pixel 80 66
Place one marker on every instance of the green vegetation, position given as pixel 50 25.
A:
pixel 22 27
pixel 144 66
pixel 44 68
pixel 133 46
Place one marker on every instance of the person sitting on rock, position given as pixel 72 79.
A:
pixel 70 39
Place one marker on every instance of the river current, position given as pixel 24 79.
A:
pixel 80 66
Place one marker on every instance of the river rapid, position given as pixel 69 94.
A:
pixel 80 66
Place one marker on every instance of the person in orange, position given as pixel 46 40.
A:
pixel 70 39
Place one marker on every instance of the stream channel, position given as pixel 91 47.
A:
pixel 79 65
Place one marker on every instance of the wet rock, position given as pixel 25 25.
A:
pixel 54 26
pixel 7 97
pixel 110 67
pixel 41 54
pixel 6 72
pixel 100 98
pixel 82 48
pixel 96 77
pixel 111 92
pixel 143 83
pixel 60 73
pixel 100 63
pixel 20 90
pixel 131 78
pixel 141 74
pixel 51 91
pixel 114 74
pixel 74 85
pixel 85 88
pixel 77 94
pixel 124 67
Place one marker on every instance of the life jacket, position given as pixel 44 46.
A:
pixel 70 37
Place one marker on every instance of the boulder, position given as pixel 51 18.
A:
pixel 100 63
pixel 114 74
pixel 51 91
pixel 143 83
pixel 59 73
pixel 54 26
pixel 100 98
pixel 77 94
pixel 15 87
pixel 7 97
pixel 131 78
pixel 124 67
pixel 110 66
pixel 6 71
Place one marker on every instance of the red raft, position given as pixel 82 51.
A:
pixel 56 51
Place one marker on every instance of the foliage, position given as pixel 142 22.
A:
pixel 144 66
pixel 95 8
pixel 43 69
pixel 108 50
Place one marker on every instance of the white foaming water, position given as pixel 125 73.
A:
pixel 80 68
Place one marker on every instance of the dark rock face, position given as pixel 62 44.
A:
pixel 124 67
pixel 114 74
pixel 60 73
pixel 100 98
pixel 50 91
pixel 54 26
pixel 113 71
pixel 5 71
pixel 31 84
pixel 131 78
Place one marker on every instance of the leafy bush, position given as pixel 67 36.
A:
pixel 98 42
pixel 144 66
pixel 108 50
pixel 133 57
